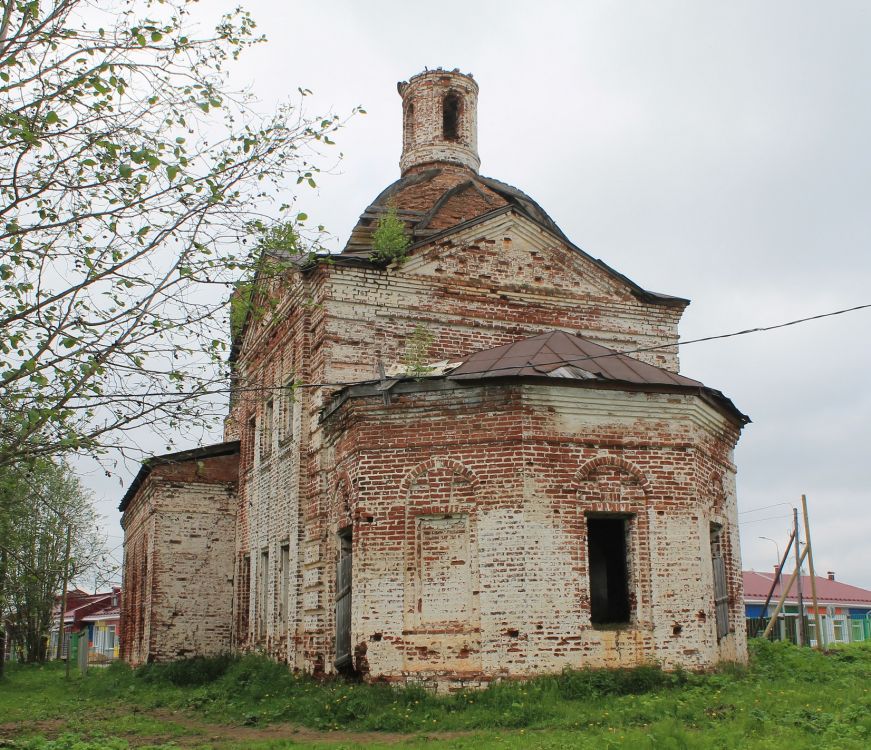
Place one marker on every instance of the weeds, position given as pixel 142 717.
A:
pixel 787 696
pixel 199 670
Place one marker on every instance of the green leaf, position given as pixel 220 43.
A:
pixel 126 171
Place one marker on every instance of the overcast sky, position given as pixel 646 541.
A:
pixel 710 150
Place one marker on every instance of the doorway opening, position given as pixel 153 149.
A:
pixel 609 571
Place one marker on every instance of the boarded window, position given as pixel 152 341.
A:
pixel 608 568
pixel 451 117
pixel 266 428
pixel 288 398
pixel 244 602
pixel 284 589
pixel 248 440
pixel 262 592
pixel 721 592
pixel 445 584
pixel 344 588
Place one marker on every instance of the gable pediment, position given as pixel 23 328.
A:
pixel 509 250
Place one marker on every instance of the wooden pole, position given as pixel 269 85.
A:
pixel 810 561
pixel 63 600
pixel 784 595
pixel 799 632
pixel 778 579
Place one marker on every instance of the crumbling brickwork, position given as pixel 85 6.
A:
pixel 179 529
pixel 483 524
pixel 470 541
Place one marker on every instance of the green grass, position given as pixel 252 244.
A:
pixel 787 697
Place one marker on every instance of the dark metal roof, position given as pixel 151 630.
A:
pixel 418 221
pixel 563 355
pixel 500 195
pixel 195 454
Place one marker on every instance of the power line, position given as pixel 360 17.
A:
pixel 763 507
pixel 760 520
pixel 570 360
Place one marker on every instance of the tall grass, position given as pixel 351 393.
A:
pixel 787 696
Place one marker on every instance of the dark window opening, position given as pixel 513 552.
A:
pixel 263 591
pixel 409 122
pixel 284 585
pixel 451 117
pixel 609 579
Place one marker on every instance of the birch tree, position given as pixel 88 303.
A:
pixel 130 179
pixel 37 506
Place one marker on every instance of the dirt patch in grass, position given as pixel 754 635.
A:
pixel 188 732
pixel 49 727
pixel 205 732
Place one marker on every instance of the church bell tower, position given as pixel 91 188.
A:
pixel 440 120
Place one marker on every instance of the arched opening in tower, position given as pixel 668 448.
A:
pixel 409 122
pixel 451 117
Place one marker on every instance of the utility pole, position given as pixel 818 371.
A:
pixel 63 601
pixel 783 596
pixel 777 583
pixel 821 637
pixel 799 633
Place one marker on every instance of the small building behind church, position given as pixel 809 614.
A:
pixel 477 461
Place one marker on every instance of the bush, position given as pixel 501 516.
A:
pixel 575 684
pixel 200 670
pixel 389 240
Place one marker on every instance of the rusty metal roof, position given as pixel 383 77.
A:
pixel 558 354
pixel 564 356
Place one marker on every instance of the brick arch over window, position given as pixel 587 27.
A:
pixel 440 470
pixel 611 479
pixel 716 493
pixel 610 486
pixel 343 496
pixel 726 586
pixel 440 541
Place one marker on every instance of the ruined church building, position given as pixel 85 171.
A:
pixel 527 498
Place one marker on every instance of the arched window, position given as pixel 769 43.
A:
pixel 409 122
pixel 451 117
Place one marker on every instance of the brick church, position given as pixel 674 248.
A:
pixel 478 461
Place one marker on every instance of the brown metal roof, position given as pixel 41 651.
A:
pixel 563 355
